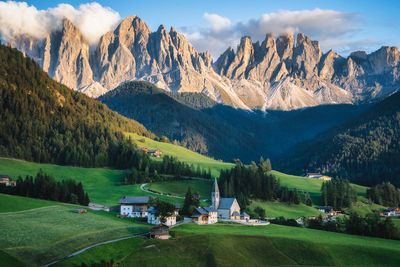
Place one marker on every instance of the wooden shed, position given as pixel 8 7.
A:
pixel 160 232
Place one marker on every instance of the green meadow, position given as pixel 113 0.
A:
pixel 277 209
pixel 230 245
pixel 179 188
pixel 182 154
pixel 103 185
pixel 43 234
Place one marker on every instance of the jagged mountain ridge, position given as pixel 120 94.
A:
pixel 275 74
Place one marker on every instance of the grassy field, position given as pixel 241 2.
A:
pixel 101 184
pixel 313 186
pixel 179 188
pixel 10 203
pixel 276 209
pixel 43 234
pixel 228 245
pixel 183 154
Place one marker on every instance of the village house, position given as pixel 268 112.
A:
pixel 160 232
pixel 134 206
pixel 153 217
pixel 327 209
pixel 228 208
pixel 6 180
pixel 244 216
pixel 207 215
pixel 154 153
pixel 392 211
pixel 318 176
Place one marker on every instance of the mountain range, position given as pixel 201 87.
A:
pixel 277 73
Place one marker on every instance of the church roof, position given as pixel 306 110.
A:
pixel 244 214
pixel 210 209
pixel 226 203
pixel 215 186
pixel 235 213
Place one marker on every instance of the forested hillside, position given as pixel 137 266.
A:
pixel 365 150
pixel 218 130
pixel 44 121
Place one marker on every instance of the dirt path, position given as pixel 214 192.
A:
pixel 166 195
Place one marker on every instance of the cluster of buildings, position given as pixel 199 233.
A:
pixel 151 152
pixel 318 176
pixel 392 211
pixel 139 207
pixel 6 180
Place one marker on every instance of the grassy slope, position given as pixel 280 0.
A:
pixel 179 188
pixel 55 231
pixel 228 245
pixel 10 203
pixel 102 184
pixel 276 209
pixel 183 154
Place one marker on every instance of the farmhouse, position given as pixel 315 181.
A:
pixel 318 176
pixel 153 217
pixel 228 208
pixel 327 209
pixel 392 211
pixel 155 153
pixel 160 232
pixel 134 206
pixel 6 180
pixel 207 215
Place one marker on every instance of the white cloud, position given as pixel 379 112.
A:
pixel 216 22
pixel 18 18
pixel 322 25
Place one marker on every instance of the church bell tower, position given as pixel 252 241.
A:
pixel 215 194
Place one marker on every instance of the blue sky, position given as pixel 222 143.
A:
pixel 352 25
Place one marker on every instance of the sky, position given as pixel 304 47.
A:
pixel 213 26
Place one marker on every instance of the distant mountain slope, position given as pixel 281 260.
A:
pixel 44 121
pixel 222 131
pixel 366 150
pixel 282 73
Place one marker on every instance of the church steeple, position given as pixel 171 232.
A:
pixel 215 194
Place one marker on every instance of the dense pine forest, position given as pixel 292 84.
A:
pixel 255 182
pixel 365 150
pixel 44 121
pixel 44 186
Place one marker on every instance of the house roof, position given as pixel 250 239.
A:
pixel 235 213
pixel 226 203
pixel 177 206
pixel 210 209
pixel 324 208
pixel 313 173
pixel 215 186
pixel 244 214
pixel 4 176
pixel 134 200
pixel 153 150
pixel 152 210
pixel 391 209
pixel 160 226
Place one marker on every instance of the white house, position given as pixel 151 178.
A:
pixel 134 206
pixel 206 215
pixel 154 218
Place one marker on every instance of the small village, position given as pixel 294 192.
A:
pixel 221 210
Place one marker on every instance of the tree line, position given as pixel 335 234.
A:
pixel 255 181
pixel 370 225
pixel 338 193
pixel 44 186
pixel 384 194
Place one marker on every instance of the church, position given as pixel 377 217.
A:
pixel 227 208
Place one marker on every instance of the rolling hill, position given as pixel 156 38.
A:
pixel 365 150
pixel 44 121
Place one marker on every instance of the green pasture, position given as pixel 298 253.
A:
pixel 179 188
pixel 277 209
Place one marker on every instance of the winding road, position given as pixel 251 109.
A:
pixel 92 246
pixel 166 195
